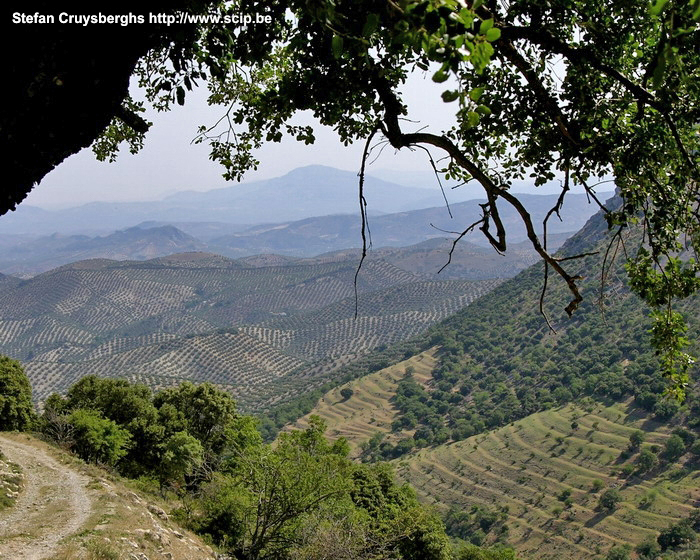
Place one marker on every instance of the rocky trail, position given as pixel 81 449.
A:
pixel 54 504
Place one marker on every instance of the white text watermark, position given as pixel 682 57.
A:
pixel 177 18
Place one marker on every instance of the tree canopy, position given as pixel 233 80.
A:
pixel 577 91
pixel 16 408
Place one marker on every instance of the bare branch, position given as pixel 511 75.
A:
pixel 457 240
pixel 363 212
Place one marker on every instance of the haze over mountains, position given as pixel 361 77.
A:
pixel 303 193
pixel 119 305
pixel 309 222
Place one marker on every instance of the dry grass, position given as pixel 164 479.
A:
pixel 124 521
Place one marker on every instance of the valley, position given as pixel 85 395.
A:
pixel 511 430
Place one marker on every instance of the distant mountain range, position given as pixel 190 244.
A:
pixel 28 255
pixel 316 235
pixel 303 193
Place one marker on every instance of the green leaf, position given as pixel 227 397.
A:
pixel 440 76
pixel 493 34
pixel 371 25
pixel 472 119
pixel 658 7
pixel 485 26
pixel 337 46
pixel 483 110
pixel 449 96
pixel 477 4
pixel 476 93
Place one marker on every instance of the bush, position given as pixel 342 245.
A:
pixel 16 408
pixel 97 439
pixel 609 499
pixel 676 535
pixel 646 460
pixel 648 548
pixel 675 447
pixel 618 553
pixel 636 439
pixel 346 393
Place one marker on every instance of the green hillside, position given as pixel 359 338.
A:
pixel 527 427
pixel 541 476
pixel 526 469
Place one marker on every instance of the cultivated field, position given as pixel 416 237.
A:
pixel 526 466
pixel 264 330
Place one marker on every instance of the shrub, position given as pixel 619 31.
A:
pixel 619 553
pixel 675 447
pixel 609 499
pixel 636 439
pixel 97 439
pixel 676 535
pixel 16 408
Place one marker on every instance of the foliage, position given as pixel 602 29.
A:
pixel 648 548
pixel 16 408
pixel 636 439
pixel 182 455
pixel 97 439
pixel 609 499
pixel 674 448
pixel 346 393
pixel 474 525
pixel 677 534
pixel 208 414
pixel 472 552
pixel 303 492
pixel 619 553
pixel 646 460
pixel 299 498
pixel 157 426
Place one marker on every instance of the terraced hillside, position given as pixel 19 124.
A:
pixel 368 410
pixel 548 472
pixel 490 427
pixel 265 329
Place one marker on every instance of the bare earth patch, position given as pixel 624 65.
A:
pixel 53 505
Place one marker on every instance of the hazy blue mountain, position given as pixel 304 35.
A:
pixel 30 257
pixel 313 236
pixel 302 193
pixel 26 256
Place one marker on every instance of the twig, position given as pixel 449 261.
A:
pixel 363 212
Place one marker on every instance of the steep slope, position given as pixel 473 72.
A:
pixel 484 419
pixel 543 473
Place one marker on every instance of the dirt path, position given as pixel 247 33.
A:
pixel 53 505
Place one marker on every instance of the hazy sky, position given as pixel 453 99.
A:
pixel 169 162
